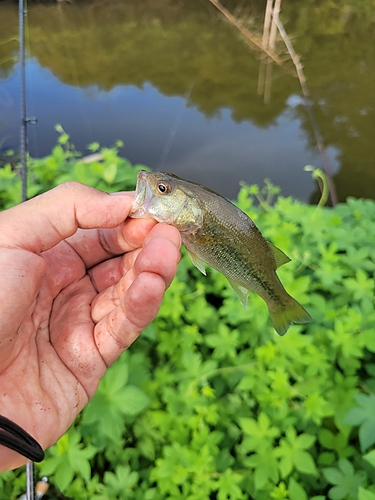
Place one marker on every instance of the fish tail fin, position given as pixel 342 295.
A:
pixel 285 315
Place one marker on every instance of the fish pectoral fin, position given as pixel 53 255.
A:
pixel 278 255
pixel 198 263
pixel 241 292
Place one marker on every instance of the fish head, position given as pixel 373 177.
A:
pixel 166 198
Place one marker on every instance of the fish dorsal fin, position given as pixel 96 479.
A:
pixel 241 292
pixel 278 255
pixel 198 263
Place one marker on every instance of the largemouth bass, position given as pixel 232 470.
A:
pixel 217 233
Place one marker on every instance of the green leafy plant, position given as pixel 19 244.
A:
pixel 345 480
pixel 364 416
pixel 105 170
pixel 209 403
pixel 68 458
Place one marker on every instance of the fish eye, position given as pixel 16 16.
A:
pixel 164 188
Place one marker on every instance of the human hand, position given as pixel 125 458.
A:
pixel 78 285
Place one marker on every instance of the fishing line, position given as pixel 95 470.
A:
pixel 69 51
pixel 174 129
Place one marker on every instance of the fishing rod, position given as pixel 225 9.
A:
pixel 22 12
pixel 23 134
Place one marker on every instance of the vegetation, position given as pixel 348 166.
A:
pixel 210 403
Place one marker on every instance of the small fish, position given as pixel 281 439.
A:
pixel 217 233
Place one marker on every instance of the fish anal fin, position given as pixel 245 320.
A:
pixel 198 263
pixel 241 292
pixel 278 255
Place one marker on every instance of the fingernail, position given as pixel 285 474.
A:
pixel 122 193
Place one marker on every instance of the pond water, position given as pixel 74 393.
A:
pixel 179 86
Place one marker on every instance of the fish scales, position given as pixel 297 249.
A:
pixel 217 233
pixel 223 244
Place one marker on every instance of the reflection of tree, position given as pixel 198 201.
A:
pixel 8 39
pixel 171 47
pixel 341 75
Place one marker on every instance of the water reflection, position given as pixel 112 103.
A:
pixel 179 88
pixel 216 151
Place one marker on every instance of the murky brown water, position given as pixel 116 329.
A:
pixel 179 86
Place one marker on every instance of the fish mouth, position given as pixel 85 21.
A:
pixel 139 204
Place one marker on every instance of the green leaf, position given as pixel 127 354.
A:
pixel 265 468
pixel 224 460
pixel 364 416
pixel 279 492
pixel 346 480
pixel 332 475
pixel 134 400
pixel 228 486
pixel 224 342
pixel 63 475
pixel 63 139
pixel 259 434
pixel 109 173
pixel 370 457
pixel 365 494
pixel 304 463
pixel 367 433
pixel 59 128
pixel 296 491
pixel 116 377
pixel 305 441
pixel 293 455
pixel 121 483
pixel 94 146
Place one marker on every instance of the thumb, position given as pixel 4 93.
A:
pixel 39 224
